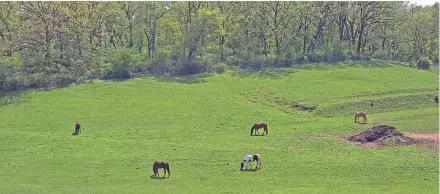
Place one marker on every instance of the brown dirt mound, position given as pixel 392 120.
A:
pixel 381 134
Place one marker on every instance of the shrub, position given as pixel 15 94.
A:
pixel 218 68
pixel 301 59
pixel 424 63
pixel 159 67
pixel 123 63
pixel 188 67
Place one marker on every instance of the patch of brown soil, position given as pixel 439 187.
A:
pixel 383 135
pixel 424 136
pixel 292 148
pixel 427 140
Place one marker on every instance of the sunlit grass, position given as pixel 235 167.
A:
pixel 202 129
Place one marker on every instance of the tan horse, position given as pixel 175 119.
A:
pixel 360 114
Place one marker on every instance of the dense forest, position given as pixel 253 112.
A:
pixel 45 44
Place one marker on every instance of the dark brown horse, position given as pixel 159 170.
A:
pixel 257 126
pixel 164 165
pixel 77 127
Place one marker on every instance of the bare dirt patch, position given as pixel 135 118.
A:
pixel 427 140
pixel 292 148
pixel 384 135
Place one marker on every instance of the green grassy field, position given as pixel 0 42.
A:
pixel 201 126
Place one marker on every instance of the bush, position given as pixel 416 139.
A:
pixel 218 68
pixel 235 61
pixel 318 56
pixel 189 67
pixel 301 59
pixel 123 63
pixel 424 63
pixel 159 67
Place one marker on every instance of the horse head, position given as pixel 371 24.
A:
pixel 241 165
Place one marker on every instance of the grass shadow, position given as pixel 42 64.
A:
pixel 347 63
pixel 187 79
pixel 74 133
pixel 12 97
pixel 272 73
pixel 18 96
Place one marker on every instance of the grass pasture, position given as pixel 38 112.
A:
pixel 201 126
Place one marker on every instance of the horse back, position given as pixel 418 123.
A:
pixel 260 125
pixel 360 114
pixel 158 164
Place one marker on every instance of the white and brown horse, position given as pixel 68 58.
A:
pixel 247 159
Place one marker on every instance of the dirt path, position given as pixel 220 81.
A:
pixel 428 140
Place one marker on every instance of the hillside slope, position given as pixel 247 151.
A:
pixel 203 128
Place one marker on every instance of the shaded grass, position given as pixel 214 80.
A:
pixel 388 104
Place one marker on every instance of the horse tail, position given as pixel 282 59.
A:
pixel 265 128
pixel 168 169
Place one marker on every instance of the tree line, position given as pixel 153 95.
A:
pixel 45 44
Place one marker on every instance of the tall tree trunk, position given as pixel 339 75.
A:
pixel 130 27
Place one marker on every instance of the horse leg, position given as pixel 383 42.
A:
pixel 164 172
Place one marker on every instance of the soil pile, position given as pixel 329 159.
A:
pixel 381 134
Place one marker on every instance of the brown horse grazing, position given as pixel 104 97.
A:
pixel 257 126
pixel 164 165
pixel 360 114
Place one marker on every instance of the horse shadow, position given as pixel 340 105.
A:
pixel 159 177
pixel 250 170
pixel 258 135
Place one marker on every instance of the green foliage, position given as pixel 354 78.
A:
pixel 122 63
pixel 91 40
pixel 424 63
